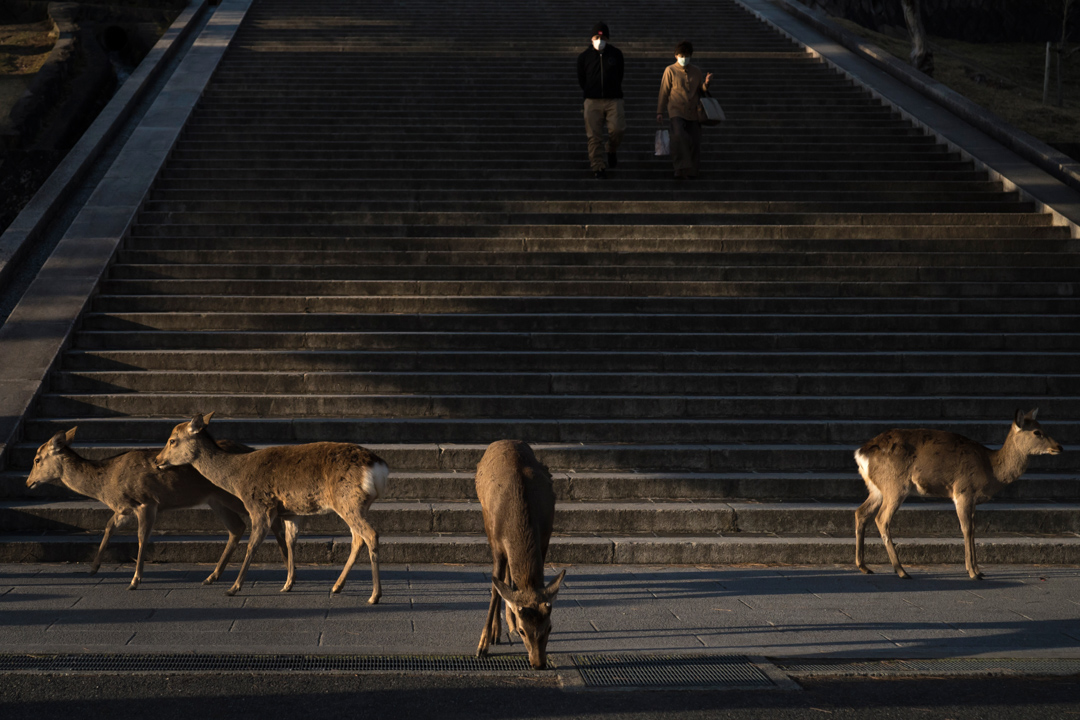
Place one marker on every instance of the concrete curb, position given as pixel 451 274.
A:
pixel 39 327
pixel 31 223
pixel 1026 146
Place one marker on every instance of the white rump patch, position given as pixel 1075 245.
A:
pixel 864 470
pixel 864 464
pixel 374 480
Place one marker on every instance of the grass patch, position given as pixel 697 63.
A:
pixel 23 49
pixel 1004 78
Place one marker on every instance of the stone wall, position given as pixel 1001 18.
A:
pixel 971 20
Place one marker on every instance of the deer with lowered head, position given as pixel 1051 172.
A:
pixel 945 465
pixel 286 482
pixel 518 504
pixel 131 485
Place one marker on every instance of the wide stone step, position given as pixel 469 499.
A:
pixel 646 215
pixel 816 487
pixel 310 361
pixel 671 519
pixel 983 211
pixel 97 439
pixel 643 307
pixel 614 383
pixel 578 323
pixel 146 258
pixel 473 549
pixel 528 275
pixel 856 246
pixel 797 198
pixel 548 406
pixel 929 175
pixel 577 342
pixel 608 230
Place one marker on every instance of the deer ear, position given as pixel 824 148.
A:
pixel 553 588
pixel 69 436
pixel 199 422
pixel 1018 420
pixel 505 592
pixel 1033 413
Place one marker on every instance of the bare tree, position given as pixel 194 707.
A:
pixel 921 56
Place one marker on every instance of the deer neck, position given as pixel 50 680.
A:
pixel 85 477
pixel 526 564
pixel 1009 462
pixel 216 465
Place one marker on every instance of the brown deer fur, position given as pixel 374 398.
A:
pixel 941 464
pixel 287 482
pixel 130 484
pixel 518 504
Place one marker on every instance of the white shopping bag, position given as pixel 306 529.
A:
pixel 663 143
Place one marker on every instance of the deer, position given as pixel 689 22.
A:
pixel 289 481
pixel 518 504
pixel 946 465
pixel 130 485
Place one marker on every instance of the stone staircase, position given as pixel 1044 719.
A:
pixel 379 227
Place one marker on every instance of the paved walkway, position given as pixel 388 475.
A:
pixel 1019 611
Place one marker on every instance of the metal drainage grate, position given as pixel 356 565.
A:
pixel 670 671
pixel 934 666
pixel 196 662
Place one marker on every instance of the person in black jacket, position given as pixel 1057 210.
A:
pixel 600 74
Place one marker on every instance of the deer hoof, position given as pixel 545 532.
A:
pixel 232 591
pixel 134 585
pixel 374 599
pixel 903 575
pixel 865 569
pixel 976 575
pixel 210 580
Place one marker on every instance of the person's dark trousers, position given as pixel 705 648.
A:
pixel 685 146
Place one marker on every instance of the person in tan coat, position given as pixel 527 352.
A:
pixel 681 90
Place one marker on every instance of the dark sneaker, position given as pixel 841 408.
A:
pixel 612 160
pixel 600 174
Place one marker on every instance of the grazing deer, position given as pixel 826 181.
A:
pixel 518 503
pixel 945 465
pixel 286 482
pixel 130 484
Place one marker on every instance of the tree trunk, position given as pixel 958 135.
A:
pixel 921 56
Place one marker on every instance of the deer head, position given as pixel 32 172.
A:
pixel 182 447
pixel 49 460
pixel 532 610
pixel 1027 436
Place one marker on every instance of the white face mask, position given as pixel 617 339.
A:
pixel 599 43
pixel 683 61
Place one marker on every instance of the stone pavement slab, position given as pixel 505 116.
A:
pixel 1018 611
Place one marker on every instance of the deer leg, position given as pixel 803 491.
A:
pixel 884 519
pixel 236 526
pixel 146 515
pixel 499 571
pixel 965 510
pixel 260 523
pixel 866 511
pixel 279 533
pixel 115 520
pixel 362 534
pixel 511 618
pixel 491 623
pixel 290 551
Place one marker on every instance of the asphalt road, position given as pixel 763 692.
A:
pixel 383 697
